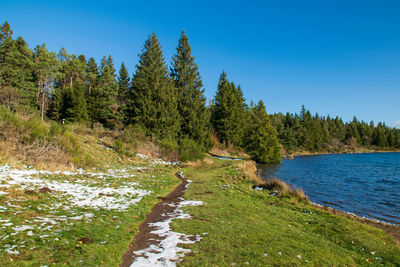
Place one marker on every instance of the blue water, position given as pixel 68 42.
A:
pixel 364 184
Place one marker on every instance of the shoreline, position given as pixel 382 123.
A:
pixel 307 153
pixel 392 230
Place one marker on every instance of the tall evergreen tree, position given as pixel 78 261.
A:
pixel 152 95
pixel 123 84
pixel 195 117
pixel 229 112
pixel 45 65
pixel 261 138
pixel 92 74
pixel 123 93
pixel 104 96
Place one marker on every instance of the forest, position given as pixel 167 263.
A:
pixel 167 102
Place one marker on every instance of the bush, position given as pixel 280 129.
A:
pixel 190 150
pixel 283 188
pixel 119 147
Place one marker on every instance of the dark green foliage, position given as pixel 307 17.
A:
pixel 315 133
pixel 190 150
pixel 153 99
pixel 123 84
pixel 45 67
pixel 261 141
pixel 168 106
pixel 104 105
pixel 123 92
pixel 229 111
pixel 195 117
pixel 16 74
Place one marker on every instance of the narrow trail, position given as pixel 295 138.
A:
pixel 155 244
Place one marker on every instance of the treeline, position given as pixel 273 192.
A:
pixel 167 102
pixel 308 132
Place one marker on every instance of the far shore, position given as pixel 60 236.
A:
pixel 308 153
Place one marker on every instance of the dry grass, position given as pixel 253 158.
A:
pixel 149 149
pixel 249 170
pixel 282 188
pixel 207 161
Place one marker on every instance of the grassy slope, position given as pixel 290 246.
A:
pixel 110 231
pixel 247 226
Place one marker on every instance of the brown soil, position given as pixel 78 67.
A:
pixel 391 229
pixel 144 238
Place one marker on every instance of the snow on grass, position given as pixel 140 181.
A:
pixel 158 161
pixel 167 252
pixel 43 204
pixel 77 193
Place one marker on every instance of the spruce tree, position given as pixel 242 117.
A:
pixel 229 112
pixel 92 74
pixel 123 84
pixel 104 106
pixel 152 95
pixel 261 140
pixel 123 93
pixel 195 117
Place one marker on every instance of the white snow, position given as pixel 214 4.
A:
pixel 158 161
pixel 167 252
pixel 77 193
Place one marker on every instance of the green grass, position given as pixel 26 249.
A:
pixel 109 230
pixel 247 227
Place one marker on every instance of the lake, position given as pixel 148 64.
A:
pixel 365 184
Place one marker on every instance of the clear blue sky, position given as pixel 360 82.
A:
pixel 335 57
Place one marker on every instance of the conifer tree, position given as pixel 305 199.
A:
pixel 229 112
pixel 92 74
pixel 195 117
pixel 123 84
pixel 261 139
pixel 45 65
pixel 123 93
pixel 16 73
pixel 104 96
pixel 152 95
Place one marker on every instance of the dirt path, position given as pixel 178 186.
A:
pixel 160 213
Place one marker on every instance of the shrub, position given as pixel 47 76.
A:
pixel 119 147
pixel 249 171
pixel 190 150
pixel 169 149
pixel 283 188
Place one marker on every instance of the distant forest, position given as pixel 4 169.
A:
pixel 167 102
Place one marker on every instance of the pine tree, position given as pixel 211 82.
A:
pixel 76 110
pixel 261 140
pixel 195 117
pixel 5 33
pixel 123 84
pixel 45 65
pixel 123 93
pixel 104 106
pixel 152 95
pixel 229 112
pixel 92 74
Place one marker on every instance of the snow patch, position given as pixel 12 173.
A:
pixel 167 252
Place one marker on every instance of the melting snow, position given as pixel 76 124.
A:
pixel 167 252
pixel 78 194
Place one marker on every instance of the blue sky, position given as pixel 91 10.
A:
pixel 335 57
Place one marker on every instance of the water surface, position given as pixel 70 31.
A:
pixel 364 184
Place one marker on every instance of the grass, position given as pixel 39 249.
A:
pixel 245 227
pixel 59 232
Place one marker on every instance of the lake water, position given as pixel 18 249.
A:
pixel 364 184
